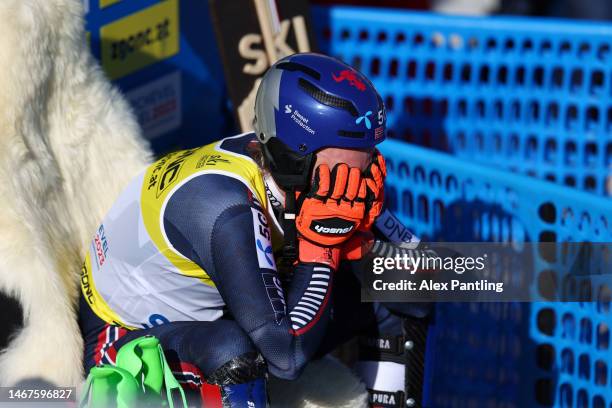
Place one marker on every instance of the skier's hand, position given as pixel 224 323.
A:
pixel 334 207
pixel 374 177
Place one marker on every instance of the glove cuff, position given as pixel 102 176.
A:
pixel 359 244
pixel 313 253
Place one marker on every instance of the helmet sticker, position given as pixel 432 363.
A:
pixel 351 77
pixel 365 119
pixel 379 132
pixel 298 118
pixel 381 116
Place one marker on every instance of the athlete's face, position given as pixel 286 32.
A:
pixel 360 158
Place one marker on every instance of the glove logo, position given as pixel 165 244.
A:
pixel 365 119
pixel 288 109
pixel 332 226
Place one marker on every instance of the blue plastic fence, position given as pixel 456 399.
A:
pixel 512 355
pixel 529 95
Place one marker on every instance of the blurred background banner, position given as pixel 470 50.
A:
pixel 252 35
pixel 163 55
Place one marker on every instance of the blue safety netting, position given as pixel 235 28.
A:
pixel 528 95
pixel 506 354
pixel 524 95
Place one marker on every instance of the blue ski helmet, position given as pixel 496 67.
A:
pixel 306 102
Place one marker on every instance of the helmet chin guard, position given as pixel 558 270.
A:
pixel 289 169
pixel 291 172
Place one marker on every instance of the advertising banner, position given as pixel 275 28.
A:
pixel 163 56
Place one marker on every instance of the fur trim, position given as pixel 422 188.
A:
pixel 324 383
pixel 64 130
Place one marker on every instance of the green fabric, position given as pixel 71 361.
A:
pixel 143 358
pixel 109 386
pixel 141 373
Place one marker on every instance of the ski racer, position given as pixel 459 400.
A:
pixel 189 252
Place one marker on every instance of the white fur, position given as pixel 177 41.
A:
pixel 324 383
pixel 68 144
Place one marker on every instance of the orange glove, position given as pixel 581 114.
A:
pixel 334 207
pixel 313 253
pixel 374 177
pixel 357 246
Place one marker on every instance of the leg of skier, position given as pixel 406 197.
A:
pixel 215 362
pixel 392 372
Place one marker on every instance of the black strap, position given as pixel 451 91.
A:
pixel 290 247
pixel 415 334
pixel 382 348
pixel 386 399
